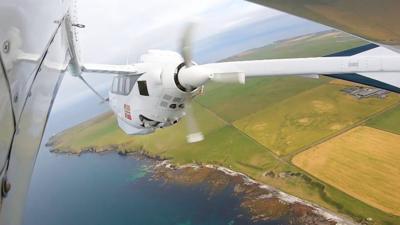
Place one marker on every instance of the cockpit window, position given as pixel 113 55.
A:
pixel 142 85
pixel 114 87
pixel 122 85
pixel 127 86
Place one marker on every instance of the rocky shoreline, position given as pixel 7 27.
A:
pixel 262 201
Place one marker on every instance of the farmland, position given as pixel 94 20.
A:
pixel 308 117
pixel 352 162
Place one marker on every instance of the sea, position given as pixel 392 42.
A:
pixel 104 189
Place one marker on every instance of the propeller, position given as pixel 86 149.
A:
pixel 192 76
pixel 186 46
pixel 193 132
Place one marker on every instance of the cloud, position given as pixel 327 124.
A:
pixel 117 30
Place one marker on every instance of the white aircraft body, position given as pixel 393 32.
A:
pixel 38 42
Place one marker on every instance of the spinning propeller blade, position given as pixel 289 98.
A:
pixel 186 45
pixel 194 134
pixel 194 76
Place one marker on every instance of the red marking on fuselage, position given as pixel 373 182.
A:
pixel 127 110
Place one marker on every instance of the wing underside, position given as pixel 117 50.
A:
pixel 386 80
pixel 376 21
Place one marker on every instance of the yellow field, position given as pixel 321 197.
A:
pixel 363 162
pixel 346 83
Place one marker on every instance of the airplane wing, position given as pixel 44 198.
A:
pixel 375 21
pixel 369 64
pixel 110 69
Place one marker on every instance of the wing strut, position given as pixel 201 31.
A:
pixel 94 90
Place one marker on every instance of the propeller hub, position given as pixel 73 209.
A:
pixel 188 79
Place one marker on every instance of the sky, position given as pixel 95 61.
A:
pixel 119 31
pixel 124 29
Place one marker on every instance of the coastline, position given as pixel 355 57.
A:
pixel 272 192
pixel 257 196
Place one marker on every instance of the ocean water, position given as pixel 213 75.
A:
pixel 114 189
pixel 104 189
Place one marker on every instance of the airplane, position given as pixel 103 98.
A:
pixel 156 92
pixel 36 53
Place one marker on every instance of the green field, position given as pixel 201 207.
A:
pixel 315 45
pixel 234 102
pixel 103 133
pixel 388 121
pixel 226 146
pixel 250 127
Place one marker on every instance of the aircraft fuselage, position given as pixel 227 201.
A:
pixel 152 100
